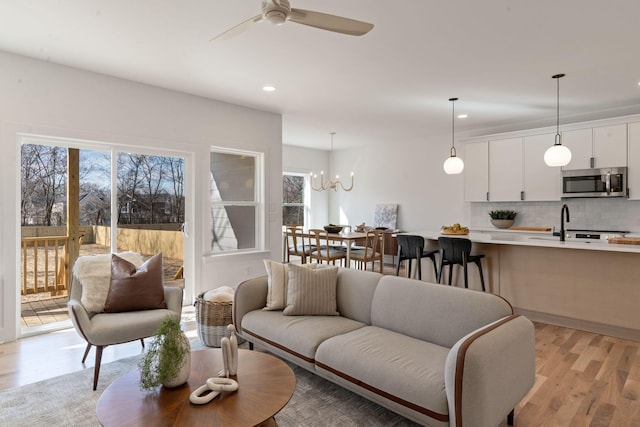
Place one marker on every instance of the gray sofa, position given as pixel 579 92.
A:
pixel 437 355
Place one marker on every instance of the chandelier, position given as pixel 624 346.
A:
pixel 330 184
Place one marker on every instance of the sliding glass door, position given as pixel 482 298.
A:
pixel 85 198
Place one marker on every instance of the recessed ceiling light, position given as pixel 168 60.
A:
pixel 463 116
pixel 268 88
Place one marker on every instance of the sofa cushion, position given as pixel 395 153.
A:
pixel 132 288
pixel 311 292
pixel 298 335
pixel 413 311
pixel 355 292
pixel 410 370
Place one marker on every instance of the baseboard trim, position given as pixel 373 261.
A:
pixel 584 325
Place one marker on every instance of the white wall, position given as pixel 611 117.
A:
pixel 408 173
pixel 305 160
pixel 48 99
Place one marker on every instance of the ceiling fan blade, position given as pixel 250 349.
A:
pixel 328 22
pixel 240 28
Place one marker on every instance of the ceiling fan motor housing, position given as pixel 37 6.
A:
pixel 276 12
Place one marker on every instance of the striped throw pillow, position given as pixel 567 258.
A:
pixel 312 292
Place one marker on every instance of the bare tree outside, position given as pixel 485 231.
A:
pixel 43 184
pixel 293 199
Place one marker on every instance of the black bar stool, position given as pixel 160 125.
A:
pixel 411 247
pixel 457 251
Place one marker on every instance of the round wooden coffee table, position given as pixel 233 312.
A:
pixel 265 385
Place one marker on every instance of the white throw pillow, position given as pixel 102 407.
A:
pixel 94 274
pixel 312 292
pixel 278 278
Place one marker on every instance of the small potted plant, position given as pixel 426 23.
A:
pixel 502 218
pixel 167 360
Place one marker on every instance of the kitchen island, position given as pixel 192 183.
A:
pixel 589 286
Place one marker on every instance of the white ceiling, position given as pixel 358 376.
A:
pixel 392 84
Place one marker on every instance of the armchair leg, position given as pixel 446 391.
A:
pixel 510 417
pixel 142 342
pixel 86 352
pixel 96 369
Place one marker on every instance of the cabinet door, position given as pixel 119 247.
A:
pixel 505 170
pixel 633 181
pixel 476 171
pixel 541 182
pixel 580 142
pixel 610 146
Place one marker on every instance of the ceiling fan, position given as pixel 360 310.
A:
pixel 277 12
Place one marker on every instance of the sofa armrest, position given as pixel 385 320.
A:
pixel 489 371
pixel 250 295
pixel 80 318
pixel 173 298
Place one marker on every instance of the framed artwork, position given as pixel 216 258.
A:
pixel 386 215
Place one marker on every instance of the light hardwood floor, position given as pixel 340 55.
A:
pixel 582 379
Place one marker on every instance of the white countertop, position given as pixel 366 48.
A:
pixel 531 238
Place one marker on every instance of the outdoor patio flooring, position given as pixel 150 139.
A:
pixel 44 311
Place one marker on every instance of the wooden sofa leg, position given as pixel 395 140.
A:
pixel 510 417
pixel 96 369
pixel 250 345
pixel 86 352
pixel 142 342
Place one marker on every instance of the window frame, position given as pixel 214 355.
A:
pixel 306 197
pixel 258 202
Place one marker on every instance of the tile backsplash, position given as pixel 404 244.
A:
pixel 593 214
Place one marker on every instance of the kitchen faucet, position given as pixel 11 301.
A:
pixel 564 209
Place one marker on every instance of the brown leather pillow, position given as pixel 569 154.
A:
pixel 134 289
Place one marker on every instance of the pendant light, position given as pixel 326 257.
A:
pixel 454 164
pixel 557 154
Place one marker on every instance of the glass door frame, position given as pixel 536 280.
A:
pixel 114 149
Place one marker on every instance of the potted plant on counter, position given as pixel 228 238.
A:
pixel 502 218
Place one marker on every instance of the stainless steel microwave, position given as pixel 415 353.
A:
pixel 604 182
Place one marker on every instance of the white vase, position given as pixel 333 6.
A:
pixel 185 369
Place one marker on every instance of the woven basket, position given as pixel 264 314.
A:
pixel 212 319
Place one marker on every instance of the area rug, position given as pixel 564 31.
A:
pixel 68 400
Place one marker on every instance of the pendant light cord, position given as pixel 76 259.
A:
pixel 453 126
pixel 558 77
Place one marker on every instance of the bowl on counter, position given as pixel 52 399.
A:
pixel 454 232
pixel 333 228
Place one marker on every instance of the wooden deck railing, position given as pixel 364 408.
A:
pixel 44 261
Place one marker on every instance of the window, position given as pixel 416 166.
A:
pixel 293 199
pixel 236 200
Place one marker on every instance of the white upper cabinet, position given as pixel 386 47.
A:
pixel 633 181
pixel 599 147
pixel 541 182
pixel 476 171
pixel 580 142
pixel 610 146
pixel 505 170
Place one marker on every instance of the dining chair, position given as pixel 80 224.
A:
pixel 296 245
pixel 457 251
pixel 411 247
pixel 323 251
pixel 372 251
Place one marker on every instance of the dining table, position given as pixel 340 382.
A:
pixel 349 237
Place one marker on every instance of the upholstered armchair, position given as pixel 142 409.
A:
pixel 101 329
